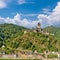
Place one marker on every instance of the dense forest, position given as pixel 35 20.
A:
pixel 13 38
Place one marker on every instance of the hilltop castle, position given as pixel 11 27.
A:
pixel 37 29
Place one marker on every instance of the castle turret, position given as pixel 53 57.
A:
pixel 38 27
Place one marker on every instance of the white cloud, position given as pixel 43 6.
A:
pixel 44 19
pixel 17 17
pixel 53 18
pixel 24 2
pixel 46 11
pixel 18 21
pixel 4 3
pixel 21 1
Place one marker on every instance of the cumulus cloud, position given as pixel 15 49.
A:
pixel 51 19
pixel 44 19
pixel 18 21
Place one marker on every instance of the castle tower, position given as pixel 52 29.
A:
pixel 38 27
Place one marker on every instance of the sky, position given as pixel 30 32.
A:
pixel 28 13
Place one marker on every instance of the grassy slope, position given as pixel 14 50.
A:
pixel 13 37
pixel 55 30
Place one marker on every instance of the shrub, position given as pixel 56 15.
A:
pixel 52 56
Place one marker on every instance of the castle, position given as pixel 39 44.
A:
pixel 38 28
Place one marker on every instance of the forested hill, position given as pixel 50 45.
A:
pixel 13 37
pixel 10 30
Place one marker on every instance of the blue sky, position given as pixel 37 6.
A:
pixel 29 7
pixel 28 13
